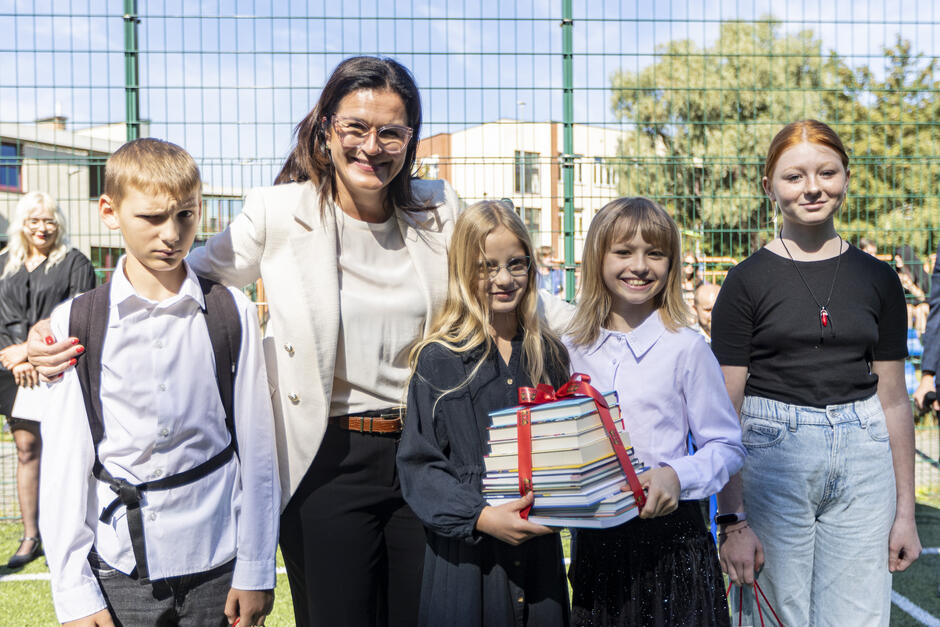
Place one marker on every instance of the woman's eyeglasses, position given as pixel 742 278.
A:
pixel 35 223
pixel 517 266
pixel 353 132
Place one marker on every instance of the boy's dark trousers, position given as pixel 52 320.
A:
pixel 196 600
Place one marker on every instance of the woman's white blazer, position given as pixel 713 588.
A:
pixel 283 237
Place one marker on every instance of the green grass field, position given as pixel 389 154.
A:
pixel 29 603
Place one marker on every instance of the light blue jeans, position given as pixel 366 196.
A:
pixel 819 493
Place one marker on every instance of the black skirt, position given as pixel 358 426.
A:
pixel 660 571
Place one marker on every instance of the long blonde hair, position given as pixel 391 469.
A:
pixel 462 323
pixel 17 248
pixel 617 221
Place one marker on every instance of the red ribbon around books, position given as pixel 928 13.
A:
pixel 578 385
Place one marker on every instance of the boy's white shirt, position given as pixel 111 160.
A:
pixel 162 415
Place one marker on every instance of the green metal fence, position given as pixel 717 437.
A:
pixel 558 105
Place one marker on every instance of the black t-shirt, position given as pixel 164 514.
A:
pixel 766 319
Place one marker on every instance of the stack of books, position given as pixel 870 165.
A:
pixel 576 477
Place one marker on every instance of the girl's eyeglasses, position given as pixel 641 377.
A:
pixel 353 132
pixel 517 266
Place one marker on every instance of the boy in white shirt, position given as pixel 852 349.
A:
pixel 180 545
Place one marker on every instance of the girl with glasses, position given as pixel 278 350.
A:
pixel 484 565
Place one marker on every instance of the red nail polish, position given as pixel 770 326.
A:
pixel 80 349
pixel 73 361
pixel 50 340
pixel 73 341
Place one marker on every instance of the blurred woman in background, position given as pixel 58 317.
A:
pixel 40 269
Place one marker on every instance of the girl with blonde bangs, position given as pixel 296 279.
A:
pixel 630 334
pixel 620 220
pixel 481 561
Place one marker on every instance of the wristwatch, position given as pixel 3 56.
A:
pixel 729 519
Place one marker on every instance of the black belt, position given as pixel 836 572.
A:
pixel 129 494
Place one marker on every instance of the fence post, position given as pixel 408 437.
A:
pixel 567 159
pixel 131 70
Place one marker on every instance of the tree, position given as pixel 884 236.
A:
pixel 703 118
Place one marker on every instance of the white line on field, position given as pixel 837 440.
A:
pixel 918 613
pixel 26 577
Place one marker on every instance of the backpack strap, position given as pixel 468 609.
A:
pixel 225 335
pixel 88 321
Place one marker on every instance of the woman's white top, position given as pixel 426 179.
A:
pixel 382 311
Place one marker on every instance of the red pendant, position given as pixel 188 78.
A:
pixel 824 316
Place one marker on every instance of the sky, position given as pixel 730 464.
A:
pixel 229 79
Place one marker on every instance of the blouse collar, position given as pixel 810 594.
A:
pixel 640 340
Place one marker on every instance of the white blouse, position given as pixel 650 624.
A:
pixel 382 310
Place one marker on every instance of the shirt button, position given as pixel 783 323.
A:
pixel 158 344
pixel 157 473
pixel 509 381
pixel 293 398
pixel 289 348
pixel 164 432
pixel 153 517
pixel 520 600
pixel 162 387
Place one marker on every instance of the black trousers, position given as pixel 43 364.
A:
pixel 353 549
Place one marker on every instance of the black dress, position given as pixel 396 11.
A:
pixel 27 297
pixel 471 579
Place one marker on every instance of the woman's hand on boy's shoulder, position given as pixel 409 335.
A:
pixel 503 522
pixel 248 607
pixel 662 491
pixel 98 619
pixel 49 357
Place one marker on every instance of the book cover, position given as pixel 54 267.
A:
pixel 557 427
pixel 565 408
pixel 569 458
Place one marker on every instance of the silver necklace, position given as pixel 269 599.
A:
pixel 825 318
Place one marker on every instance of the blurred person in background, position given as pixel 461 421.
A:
pixel 40 269
pixel 930 361
pixel 705 296
pixel 868 246
pixel 916 286
pixel 551 278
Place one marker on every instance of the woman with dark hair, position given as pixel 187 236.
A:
pixel 38 270
pixel 352 252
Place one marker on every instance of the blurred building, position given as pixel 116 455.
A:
pixel 521 161
pixel 69 165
